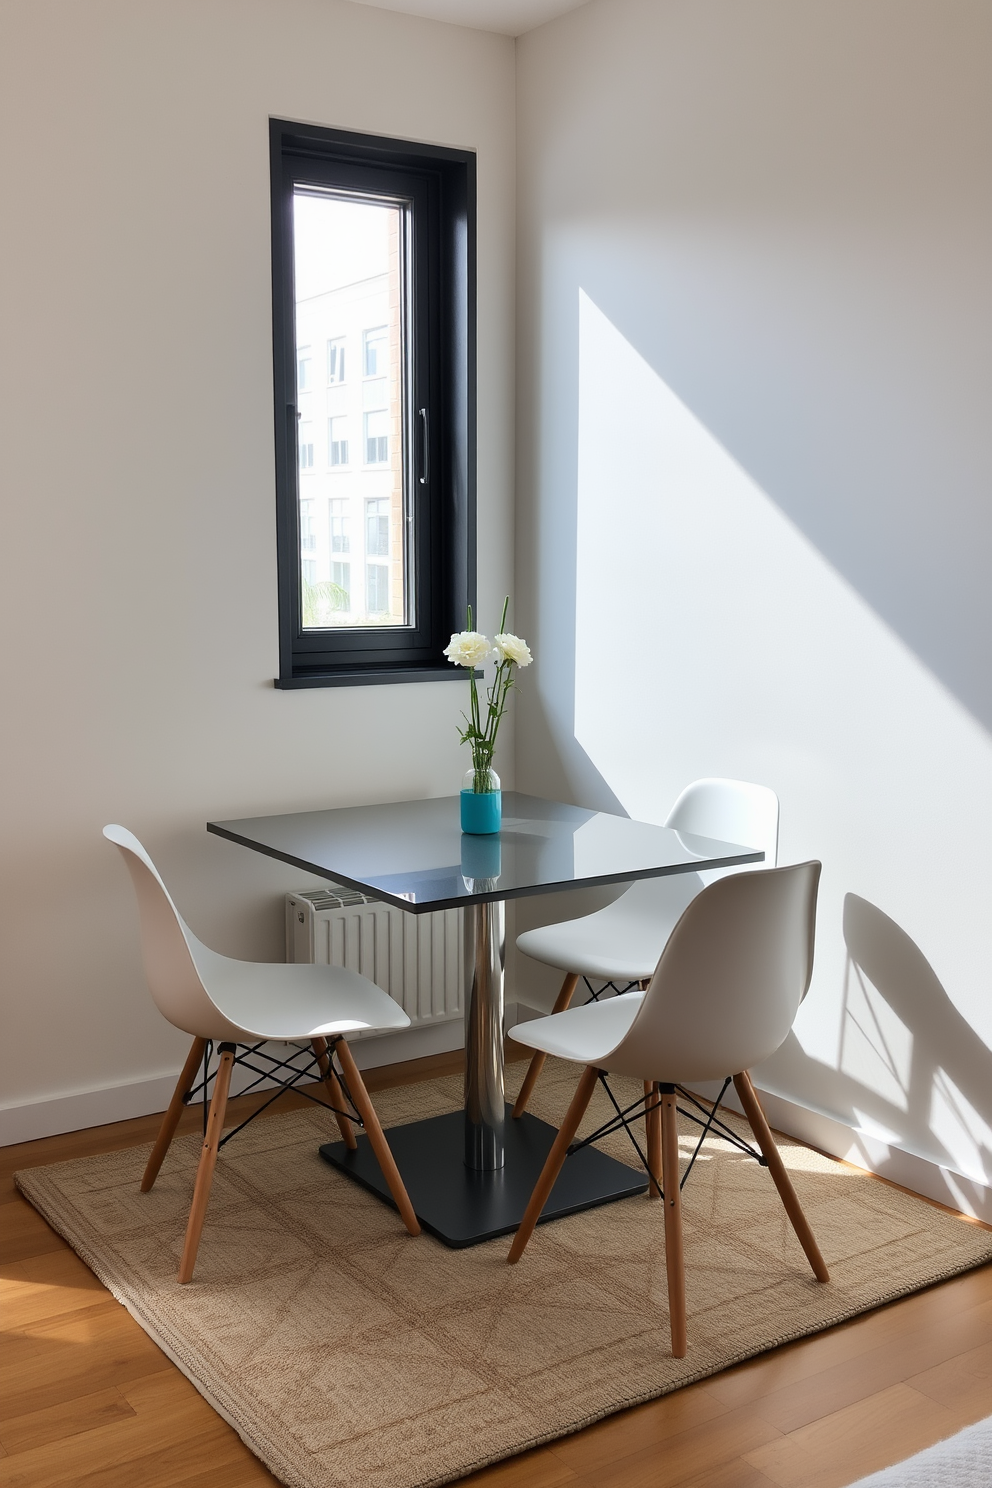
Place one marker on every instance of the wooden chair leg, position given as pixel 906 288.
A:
pixel 762 1131
pixel 674 1259
pixel 377 1140
pixel 562 1001
pixel 171 1118
pixel 652 1125
pixel 208 1161
pixel 335 1092
pixel 553 1163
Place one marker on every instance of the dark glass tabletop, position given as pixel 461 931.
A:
pixel 414 855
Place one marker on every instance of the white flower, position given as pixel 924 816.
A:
pixel 468 648
pixel 512 648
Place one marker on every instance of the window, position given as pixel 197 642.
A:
pixel 373 241
pixel 308 538
pixel 341 583
pixel 377 588
pixel 337 441
pixel 335 360
pixel 377 438
pixel 375 352
pixel 377 528
pixel 340 539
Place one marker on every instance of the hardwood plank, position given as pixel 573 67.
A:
pixel 882 1429
pixel 636 1430
pixel 859 1335
pixel 687 1454
pixel 735 1474
pixel 71 1355
pixel 68 1418
pixel 962 1383
pixel 46 1286
pixel 127 1452
pixel 537 1469
pixel 830 1390
pixel 25 1233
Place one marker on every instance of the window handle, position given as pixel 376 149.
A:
pixel 426 472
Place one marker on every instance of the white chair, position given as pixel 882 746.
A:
pixel 621 944
pixel 724 996
pixel 239 1005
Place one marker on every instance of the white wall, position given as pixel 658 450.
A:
pixel 755 354
pixel 138 550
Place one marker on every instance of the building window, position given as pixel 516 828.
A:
pixel 335 360
pixel 377 528
pixel 341 586
pixel 405 214
pixel 308 538
pixel 377 438
pixel 375 352
pixel 340 536
pixel 377 588
pixel 309 567
pixel 337 441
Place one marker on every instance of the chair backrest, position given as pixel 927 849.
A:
pixel 168 946
pixel 730 980
pixel 730 811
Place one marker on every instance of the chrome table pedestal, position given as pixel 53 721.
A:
pixel 470 1174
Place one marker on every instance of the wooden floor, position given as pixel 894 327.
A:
pixel 87 1399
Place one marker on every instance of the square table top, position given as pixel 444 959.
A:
pixel 414 855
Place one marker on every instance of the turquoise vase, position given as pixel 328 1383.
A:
pixel 481 810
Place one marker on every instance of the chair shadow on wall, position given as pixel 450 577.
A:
pixel 909 1066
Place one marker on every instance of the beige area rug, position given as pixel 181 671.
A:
pixel 349 1355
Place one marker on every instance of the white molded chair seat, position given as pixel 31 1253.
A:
pixel 723 997
pixel 621 943
pixel 586 1034
pixel 220 1000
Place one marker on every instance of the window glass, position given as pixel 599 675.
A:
pixel 377 528
pixel 375 351
pixel 337 441
pixel 335 359
pixel 340 520
pixel 348 273
pixel 377 588
pixel 377 438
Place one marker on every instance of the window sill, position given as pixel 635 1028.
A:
pixel 370 676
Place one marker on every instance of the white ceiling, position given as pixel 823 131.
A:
pixel 512 17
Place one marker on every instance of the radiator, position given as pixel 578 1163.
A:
pixel 417 959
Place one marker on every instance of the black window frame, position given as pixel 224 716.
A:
pixel 440 447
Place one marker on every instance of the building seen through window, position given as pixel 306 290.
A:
pixel 349 301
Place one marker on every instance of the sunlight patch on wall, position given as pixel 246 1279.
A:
pixel 712 638
pixel 964 1133
pixel 876 1046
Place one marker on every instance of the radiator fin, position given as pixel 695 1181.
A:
pixel 417 959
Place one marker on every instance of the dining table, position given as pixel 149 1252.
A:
pixel 470 1172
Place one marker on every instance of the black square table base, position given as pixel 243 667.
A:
pixel 464 1207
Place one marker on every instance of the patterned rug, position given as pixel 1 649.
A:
pixel 349 1355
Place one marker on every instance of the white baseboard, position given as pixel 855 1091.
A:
pixel 80 1109
pixel 853 1145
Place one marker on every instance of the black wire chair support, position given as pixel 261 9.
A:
pixel 625 1120
pixel 296 1072
pixel 608 987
